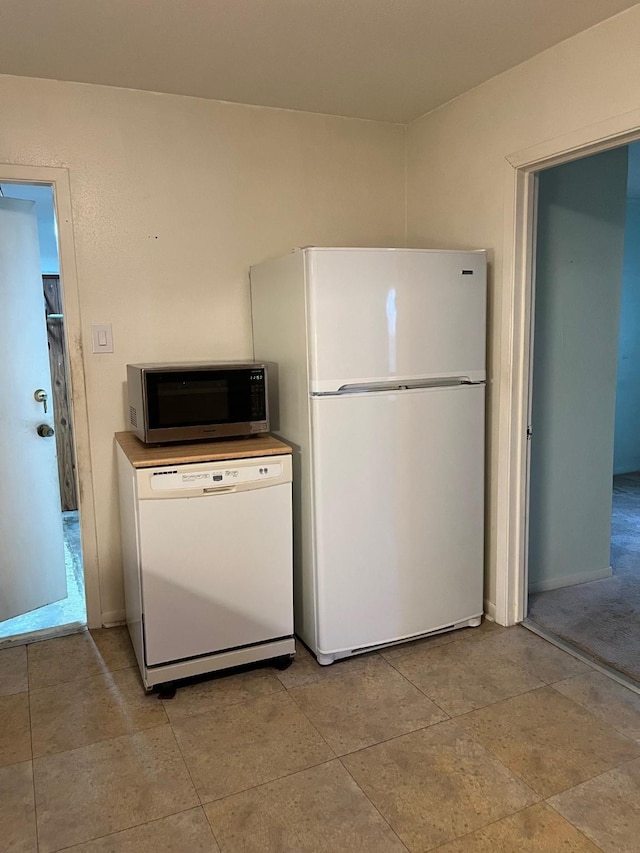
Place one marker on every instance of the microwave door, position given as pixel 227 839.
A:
pixel 190 404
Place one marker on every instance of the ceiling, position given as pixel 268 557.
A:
pixel 390 60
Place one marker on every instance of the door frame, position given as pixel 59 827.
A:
pixel 514 317
pixel 58 179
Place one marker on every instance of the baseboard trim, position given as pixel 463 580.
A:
pixel 490 610
pixel 112 618
pixel 570 580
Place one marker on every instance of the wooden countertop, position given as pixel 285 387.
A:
pixel 142 456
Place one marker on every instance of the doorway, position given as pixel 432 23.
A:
pixel 63 606
pixel 584 490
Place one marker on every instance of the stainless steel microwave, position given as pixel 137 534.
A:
pixel 195 401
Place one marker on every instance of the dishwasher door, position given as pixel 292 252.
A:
pixel 216 557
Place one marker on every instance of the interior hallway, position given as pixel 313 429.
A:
pixel 478 741
pixel 602 618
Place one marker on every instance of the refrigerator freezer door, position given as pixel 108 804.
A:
pixel 378 314
pixel 399 503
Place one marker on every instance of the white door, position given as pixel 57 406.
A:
pixel 399 513
pixel 32 565
pixel 381 314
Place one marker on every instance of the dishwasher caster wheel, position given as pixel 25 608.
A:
pixel 167 691
pixel 283 662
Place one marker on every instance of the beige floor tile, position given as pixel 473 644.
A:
pixel 538 829
pixel 225 689
pixel 548 740
pixel 482 631
pixel 109 786
pixel 81 655
pixel 13 670
pixel 77 713
pixel 607 808
pixel 479 633
pixel 114 645
pixel 355 710
pixel 243 745
pixel 612 702
pixel 187 832
pixel 535 654
pixel 436 784
pixel 17 810
pixel 321 809
pixel 305 669
pixel 15 737
pixel 399 651
pixel 460 676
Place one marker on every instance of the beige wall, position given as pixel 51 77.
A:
pixel 456 155
pixel 173 198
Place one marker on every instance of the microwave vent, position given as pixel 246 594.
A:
pixel 133 416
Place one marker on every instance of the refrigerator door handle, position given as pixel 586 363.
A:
pixel 406 385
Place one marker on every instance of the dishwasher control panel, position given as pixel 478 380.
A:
pixel 173 479
pixel 208 478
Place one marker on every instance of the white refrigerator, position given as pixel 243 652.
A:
pixel 379 386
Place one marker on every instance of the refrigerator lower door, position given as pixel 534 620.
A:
pixel 398 513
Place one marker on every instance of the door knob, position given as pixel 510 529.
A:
pixel 40 396
pixel 45 431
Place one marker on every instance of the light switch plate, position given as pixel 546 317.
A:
pixel 102 337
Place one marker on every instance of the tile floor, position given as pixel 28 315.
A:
pixel 482 741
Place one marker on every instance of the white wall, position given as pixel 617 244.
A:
pixel 173 198
pixel 627 433
pixel 580 242
pixel 456 159
pixel 43 198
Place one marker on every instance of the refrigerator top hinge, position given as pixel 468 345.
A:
pixel 529 432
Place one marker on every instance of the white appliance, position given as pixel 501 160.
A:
pixel 380 359
pixel 207 555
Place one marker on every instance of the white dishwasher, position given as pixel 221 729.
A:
pixel 208 564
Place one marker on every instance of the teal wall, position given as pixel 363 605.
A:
pixel 627 433
pixel 580 239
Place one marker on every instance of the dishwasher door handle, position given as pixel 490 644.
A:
pixel 221 490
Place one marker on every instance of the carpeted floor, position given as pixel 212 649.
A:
pixel 70 609
pixel 603 617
